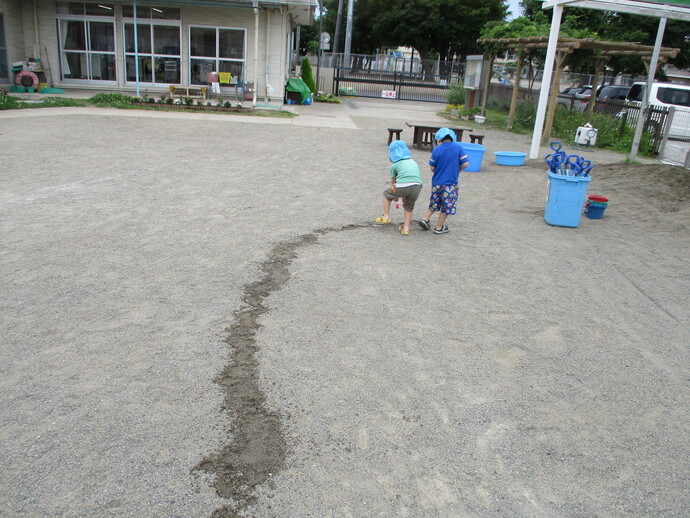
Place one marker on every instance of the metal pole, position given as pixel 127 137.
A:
pixel 645 98
pixel 318 63
pixel 338 24
pixel 348 33
pixel 546 80
pixel 136 47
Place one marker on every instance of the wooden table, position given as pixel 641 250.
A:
pixel 424 135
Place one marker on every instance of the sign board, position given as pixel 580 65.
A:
pixel 390 94
pixel 325 41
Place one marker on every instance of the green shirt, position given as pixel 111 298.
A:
pixel 406 171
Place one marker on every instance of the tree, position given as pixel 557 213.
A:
pixel 308 75
pixel 442 27
pixel 613 26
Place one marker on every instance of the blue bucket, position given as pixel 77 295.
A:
pixel 594 211
pixel 475 154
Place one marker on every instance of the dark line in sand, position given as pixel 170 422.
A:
pixel 258 448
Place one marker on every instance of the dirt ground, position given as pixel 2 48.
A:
pixel 199 319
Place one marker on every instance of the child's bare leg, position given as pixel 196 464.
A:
pixel 408 220
pixel 441 220
pixel 386 208
pixel 428 214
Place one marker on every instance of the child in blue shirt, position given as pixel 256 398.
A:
pixel 406 183
pixel 447 160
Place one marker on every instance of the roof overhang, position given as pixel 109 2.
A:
pixel 673 10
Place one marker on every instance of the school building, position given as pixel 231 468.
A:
pixel 125 45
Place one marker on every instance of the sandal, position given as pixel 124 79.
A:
pixel 401 229
pixel 424 224
pixel 443 230
pixel 383 221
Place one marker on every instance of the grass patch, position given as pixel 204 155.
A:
pixel 612 133
pixel 7 102
pixel 121 101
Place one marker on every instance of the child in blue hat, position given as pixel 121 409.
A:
pixel 406 183
pixel 447 160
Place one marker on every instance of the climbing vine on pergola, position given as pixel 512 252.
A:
pixel 602 51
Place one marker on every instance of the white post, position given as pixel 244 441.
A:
pixel 256 51
pixel 546 80
pixel 136 48
pixel 645 98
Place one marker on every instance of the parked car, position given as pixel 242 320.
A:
pixel 577 97
pixel 569 95
pixel 667 94
pixel 617 92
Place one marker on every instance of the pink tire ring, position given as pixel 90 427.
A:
pixel 27 78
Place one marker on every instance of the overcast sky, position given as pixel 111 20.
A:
pixel 514 7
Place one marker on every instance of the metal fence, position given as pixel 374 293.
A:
pixel 395 85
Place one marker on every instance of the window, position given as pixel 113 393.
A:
pixel 4 70
pixel 158 44
pixel 216 49
pixel 674 96
pixel 86 34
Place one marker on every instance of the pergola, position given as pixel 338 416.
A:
pixel 564 47
pixel 664 10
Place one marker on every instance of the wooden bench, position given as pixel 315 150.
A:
pixel 424 135
pixel 393 132
pixel 476 137
pixel 188 92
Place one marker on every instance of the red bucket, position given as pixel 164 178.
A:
pixel 600 199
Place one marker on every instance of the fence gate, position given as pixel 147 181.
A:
pixel 393 85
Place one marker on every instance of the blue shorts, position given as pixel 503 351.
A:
pixel 443 198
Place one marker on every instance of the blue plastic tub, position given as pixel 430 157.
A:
pixel 510 158
pixel 475 154
pixel 566 197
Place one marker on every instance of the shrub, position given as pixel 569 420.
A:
pixel 328 98
pixel 456 94
pixel 7 102
pixel 525 116
pixel 104 100
pixel 308 75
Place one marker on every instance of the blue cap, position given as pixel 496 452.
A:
pixel 446 132
pixel 398 151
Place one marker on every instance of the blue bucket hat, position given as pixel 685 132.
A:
pixel 398 151
pixel 446 132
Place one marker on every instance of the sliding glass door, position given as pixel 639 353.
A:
pixel 86 34
pixel 216 49
pixel 158 45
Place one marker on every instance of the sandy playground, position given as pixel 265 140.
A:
pixel 198 318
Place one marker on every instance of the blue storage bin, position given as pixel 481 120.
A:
pixel 566 197
pixel 475 154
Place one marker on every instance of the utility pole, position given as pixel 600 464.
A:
pixel 348 33
pixel 318 63
pixel 338 23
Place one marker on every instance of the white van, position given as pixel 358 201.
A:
pixel 667 94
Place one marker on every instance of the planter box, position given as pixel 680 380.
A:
pixel 184 107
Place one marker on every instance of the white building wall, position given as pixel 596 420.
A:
pixel 21 40
pixel 14 32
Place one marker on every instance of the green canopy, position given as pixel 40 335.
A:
pixel 296 84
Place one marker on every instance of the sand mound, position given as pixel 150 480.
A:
pixel 653 192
